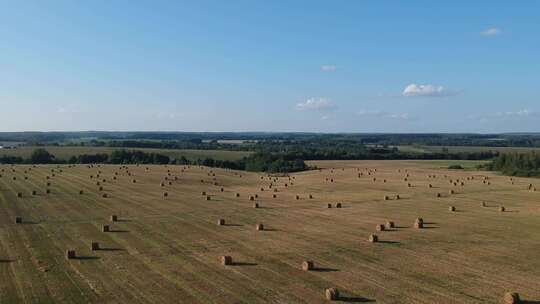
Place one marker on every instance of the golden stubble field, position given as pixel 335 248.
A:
pixel 168 249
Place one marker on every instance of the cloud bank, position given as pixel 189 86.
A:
pixel 316 104
pixel 426 90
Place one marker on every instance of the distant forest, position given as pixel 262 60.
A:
pixel 517 164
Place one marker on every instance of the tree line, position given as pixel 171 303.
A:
pixel 517 164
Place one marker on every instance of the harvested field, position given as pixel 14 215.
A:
pixel 169 250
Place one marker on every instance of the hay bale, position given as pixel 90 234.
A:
pixel 226 260
pixel 48 191
pixel 451 192
pixel 104 195
pixel 398 197
pixel 297 197
pixel 451 208
pixel 114 218
pixel 100 188
pixel 390 225
pixel 483 204
pixel 274 196
pixel 18 220
pixel 105 228
pixel 70 254
pixel 162 184
pixel 419 220
pixel 134 181
pixel 511 298
pixel 379 227
pixel 208 198
pixel 203 193
pixel 165 194
pixel 373 238
pixel 237 194
pixel 256 205
pixel 502 209
pixel 221 222
pixel 34 192
pixel 251 198
pixel 439 195
pixel 338 205
pixel 19 194
pixel 332 294
pixel 308 265
pixel 310 196
pixel 94 246
pixel 386 197
pixel 430 186
pixel 256 196
pixel 418 225
pixel 221 189
pixel 81 192
pixel 329 206
pixel 259 227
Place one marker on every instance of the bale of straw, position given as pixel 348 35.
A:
pixel 502 209
pixel 483 204
pixel 439 195
pixel 251 198
pixel 105 228
pixel 511 298
pixel 221 222
pixel 398 197
pixel 208 198
pixel 310 196
pixel 19 194
pixel 379 227
pixel 373 238
pixel 390 225
pixel 94 246
pixel 226 260
pixel 34 192
pixel 81 192
pixel 386 197
pixel 48 191
pixel 308 265
pixel 259 227
pixel 332 294
pixel 237 194
pixel 256 205
pixel 70 254
pixel 18 220
pixel 329 206
pixel 274 196
pixel 165 194
pixel 452 208
pixel 114 218
pixel 338 205
pixel 104 195
pixel 297 197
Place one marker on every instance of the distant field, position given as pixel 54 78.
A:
pixel 455 149
pixel 168 249
pixel 67 152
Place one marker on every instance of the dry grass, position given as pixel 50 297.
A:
pixel 174 243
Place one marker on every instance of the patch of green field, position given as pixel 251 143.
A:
pixel 443 164
pixel 457 149
pixel 67 152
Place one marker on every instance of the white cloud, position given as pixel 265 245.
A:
pixel 491 32
pixel 426 90
pixel 523 112
pixel 319 104
pixel 508 115
pixel 328 68
pixel 383 114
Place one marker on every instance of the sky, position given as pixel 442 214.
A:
pixel 254 65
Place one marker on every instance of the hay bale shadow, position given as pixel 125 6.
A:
pixel 118 231
pixel 529 302
pixel 233 225
pixel 271 229
pixel 111 249
pixel 355 300
pixel 85 258
pixel 324 269
pixel 5 261
pixel 243 264
pixel 389 242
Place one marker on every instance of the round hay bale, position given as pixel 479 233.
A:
pixel 237 195
pixel 430 186
pixel 114 218
pixel 398 197
pixel 259 227
pixel 162 184
pixel 48 191
pixel 256 196
pixel 18 220
pixel 451 192
pixel 274 196
pixel 386 197
pixel 338 205
pixel 419 220
pixel 256 205
pixel 451 208
pixel 19 194
pixel 502 209
pixel 221 222
pixel 100 188
pixel 34 192
pixel 165 194
pixel 332 294
pixel 390 225
pixel 297 197
pixel 105 228
pixel 373 238
pixel 208 198
pixel 203 193
pixel 379 227
pixel 94 246
pixel 104 195
pixel 310 196
pixel 226 260
pixel 329 206
pixel 81 192
pixel 70 254
pixel 251 198
pixel 439 195
pixel 418 225
pixel 308 265
pixel 483 204
pixel 221 189
pixel 511 298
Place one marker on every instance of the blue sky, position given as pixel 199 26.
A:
pixel 324 66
